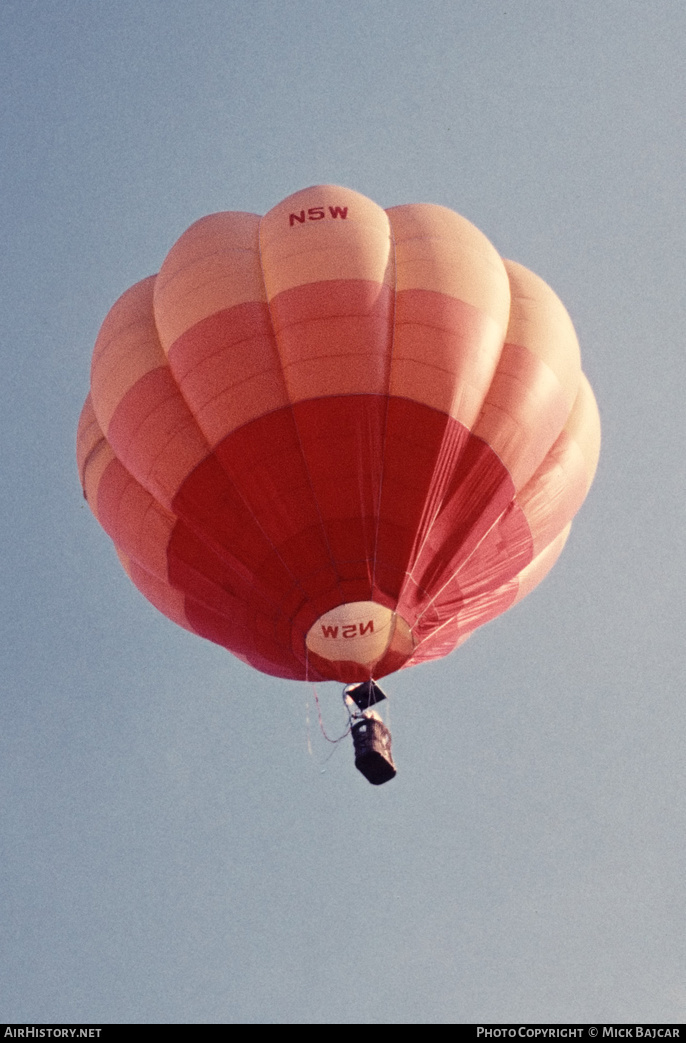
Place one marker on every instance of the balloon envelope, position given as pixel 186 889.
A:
pixel 336 439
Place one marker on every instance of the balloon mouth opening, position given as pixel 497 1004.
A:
pixel 359 632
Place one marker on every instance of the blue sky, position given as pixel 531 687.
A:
pixel 172 852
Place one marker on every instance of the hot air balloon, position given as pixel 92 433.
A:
pixel 337 439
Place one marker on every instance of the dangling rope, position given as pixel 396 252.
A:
pixel 307 727
pixel 321 722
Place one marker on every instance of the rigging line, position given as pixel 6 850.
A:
pixel 321 722
pixel 307 726
pixel 433 633
pixel 460 567
pixel 443 471
pixel 328 758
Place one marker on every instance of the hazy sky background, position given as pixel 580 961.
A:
pixel 171 852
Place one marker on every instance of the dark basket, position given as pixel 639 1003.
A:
pixel 372 743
